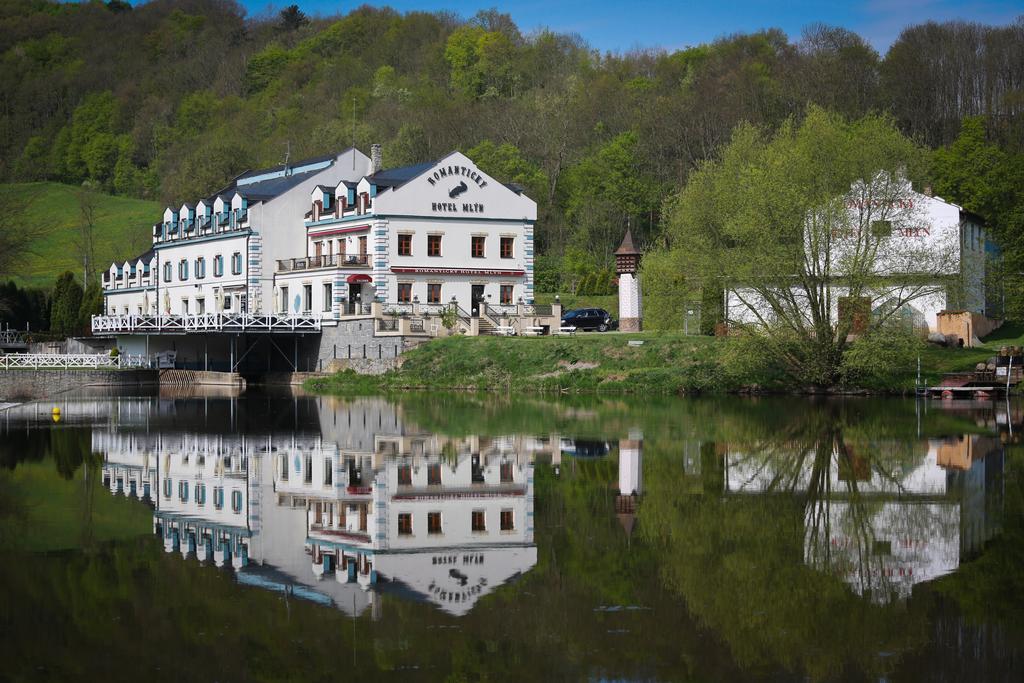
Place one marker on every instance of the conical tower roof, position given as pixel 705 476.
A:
pixel 627 247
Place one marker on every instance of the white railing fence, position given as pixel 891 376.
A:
pixel 10 337
pixel 205 322
pixel 71 360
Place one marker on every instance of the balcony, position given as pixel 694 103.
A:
pixel 325 261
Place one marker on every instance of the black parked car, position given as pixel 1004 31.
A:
pixel 588 319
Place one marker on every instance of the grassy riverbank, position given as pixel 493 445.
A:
pixel 664 363
pixel 53 210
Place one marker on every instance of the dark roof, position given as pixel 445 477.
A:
pixel 313 160
pixel 627 246
pixel 396 177
pixel 324 188
pixel 973 217
pixel 272 187
pixel 264 189
pixel 189 205
pixel 145 257
pixel 515 187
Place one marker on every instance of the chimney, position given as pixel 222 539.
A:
pixel 376 159
pixel 928 190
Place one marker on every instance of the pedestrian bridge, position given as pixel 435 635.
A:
pixel 204 322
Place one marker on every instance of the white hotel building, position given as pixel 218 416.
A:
pixel 309 245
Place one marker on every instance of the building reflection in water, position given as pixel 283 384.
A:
pixel 349 500
pixel 883 515
pixel 368 503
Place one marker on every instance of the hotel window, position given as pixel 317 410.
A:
pixel 405 524
pixel 307 298
pixel 200 267
pixel 218 497
pixel 183 269
pixel 284 299
pixel 405 475
pixel 433 522
pixel 200 305
pixel 506 472
pixel 434 293
pixel 434 475
pixel 201 494
pixel 479 520
pixel 184 306
pixel 167 272
pixel 236 263
pixel 284 468
pixel 478 246
pixel 236 501
pixel 433 245
pixel 506 294
pixel 404 292
pixel 507 523
pixel 167 488
pixel 328 472
pixel 328 297
pixel 309 469
pixel 183 491
pixel 218 265
pixel 506 246
pixel 405 245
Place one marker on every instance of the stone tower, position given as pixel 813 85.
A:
pixel 627 266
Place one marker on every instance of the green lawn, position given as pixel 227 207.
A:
pixel 122 229
pixel 666 362
pixel 587 361
pixel 936 360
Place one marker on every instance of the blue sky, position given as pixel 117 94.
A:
pixel 620 26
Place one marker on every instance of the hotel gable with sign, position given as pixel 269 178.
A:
pixel 353 260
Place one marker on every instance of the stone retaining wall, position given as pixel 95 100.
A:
pixel 353 342
pixel 24 384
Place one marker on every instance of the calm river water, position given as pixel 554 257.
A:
pixel 274 537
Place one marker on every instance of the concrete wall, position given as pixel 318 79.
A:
pixel 32 384
pixel 970 327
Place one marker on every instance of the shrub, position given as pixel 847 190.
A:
pixel 873 360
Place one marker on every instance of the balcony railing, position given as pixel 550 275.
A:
pixel 206 322
pixel 64 360
pixel 324 261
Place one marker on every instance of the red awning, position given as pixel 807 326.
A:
pixel 355 279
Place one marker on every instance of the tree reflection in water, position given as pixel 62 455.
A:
pixel 772 538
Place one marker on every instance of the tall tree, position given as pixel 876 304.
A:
pixel 85 242
pixel 292 18
pixel 67 304
pixel 796 224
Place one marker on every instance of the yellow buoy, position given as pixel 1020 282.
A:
pixel 56 414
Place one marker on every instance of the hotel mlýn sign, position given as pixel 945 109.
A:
pixel 457 271
pixel 460 172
